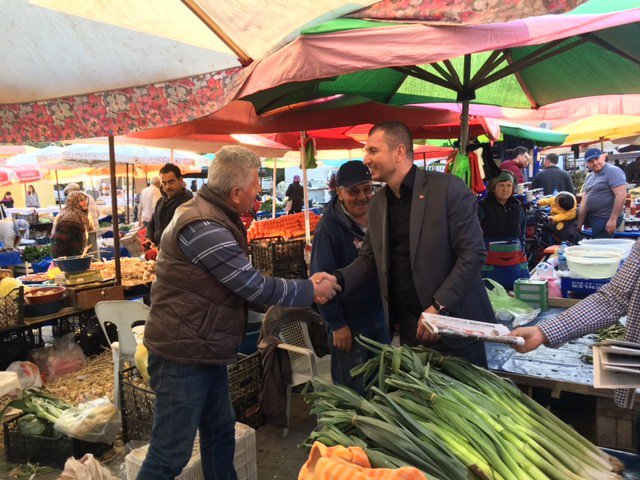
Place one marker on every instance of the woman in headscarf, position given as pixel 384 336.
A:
pixel 71 227
pixel 503 227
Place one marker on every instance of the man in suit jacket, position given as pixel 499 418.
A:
pixel 425 242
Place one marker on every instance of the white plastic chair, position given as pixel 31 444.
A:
pixel 305 364
pixel 124 314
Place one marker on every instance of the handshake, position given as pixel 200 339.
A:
pixel 325 287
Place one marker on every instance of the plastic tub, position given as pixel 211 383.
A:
pixel 77 263
pixel 589 262
pixel 625 244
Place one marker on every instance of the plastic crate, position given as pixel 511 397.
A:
pixel 87 330
pixel 244 459
pixel 279 258
pixel 15 345
pixel 12 309
pixel 49 451
pixel 137 401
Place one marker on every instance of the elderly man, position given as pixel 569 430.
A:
pixel 198 316
pixel 149 197
pixel 424 241
pixel 603 196
pixel 517 165
pixel 552 179
pixel 336 244
pixel 174 194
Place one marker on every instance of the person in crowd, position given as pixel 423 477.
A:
pixel 633 171
pixel 502 219
pixel 7 200
pixel 618 298
pixel 517 165
pixel 551 178
pixel 9 234
pixel 198 316
pixel 71 226
pixel 332 185
pixel 173 195
pixel 94 215
pixel 194 185
pixel 295 194
pixel 425 242
pixel 149 197
pixel 500 213
pixel 32 200
pixel 336 243
pixel 603 196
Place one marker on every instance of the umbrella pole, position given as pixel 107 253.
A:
pixel 465 94
pixel 307 228
pixel 58 190
pixel 273 195
pixel 127 174
pixel 114 209
pixel 424 160
pixel 602 144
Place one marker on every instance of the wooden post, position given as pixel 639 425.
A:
pixel 114 209
pixel 127 177
pixel 305 189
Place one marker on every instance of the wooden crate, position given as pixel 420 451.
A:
pixel 615 427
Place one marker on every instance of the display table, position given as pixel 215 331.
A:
pixel 561 376
pixel 587 233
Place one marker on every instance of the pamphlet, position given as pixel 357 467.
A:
pixel 485 332
pixel 616 364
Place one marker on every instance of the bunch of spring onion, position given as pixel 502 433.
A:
pixel 40 404
pixel 452 420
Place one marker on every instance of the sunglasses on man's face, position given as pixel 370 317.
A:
pixel 355 191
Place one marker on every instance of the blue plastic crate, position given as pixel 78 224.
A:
pixel 581 286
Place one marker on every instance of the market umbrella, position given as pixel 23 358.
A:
pixel 522 63
pixel 598 128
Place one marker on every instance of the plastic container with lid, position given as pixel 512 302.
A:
pixel 625 244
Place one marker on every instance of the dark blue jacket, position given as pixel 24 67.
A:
pixel 336 244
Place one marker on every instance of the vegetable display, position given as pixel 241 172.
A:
pixel 35 254
pixel 452 420
pixel 286 226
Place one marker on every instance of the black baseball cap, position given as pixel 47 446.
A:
pixel 352 173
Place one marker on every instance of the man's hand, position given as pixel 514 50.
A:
pixel 342 338
pixel 325 287
pixel 423 334
pixel 533 338
pixel 611 226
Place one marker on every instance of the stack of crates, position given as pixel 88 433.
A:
pixel 533 292
pixel 277 257
pixel 244 460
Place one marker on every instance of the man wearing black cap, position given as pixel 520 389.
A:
pixel 603 196
pixel 518 164
pixel 336 244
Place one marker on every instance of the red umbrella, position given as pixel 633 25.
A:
pixel 9 176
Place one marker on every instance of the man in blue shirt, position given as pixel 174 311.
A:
pixel 336 244
pixel 603 197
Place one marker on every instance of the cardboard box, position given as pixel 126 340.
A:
pixel 87 297
pixel 562 302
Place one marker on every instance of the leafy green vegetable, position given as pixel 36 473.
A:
pixel 30 424
pixel 35 254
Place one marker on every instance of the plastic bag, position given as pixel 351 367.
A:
pixel 28 374
pixel 97 421
pixel 508 308
pixel 87 468
pixel 65 356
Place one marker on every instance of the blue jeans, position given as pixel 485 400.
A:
pixel 342 362
pixel 598 225
pixel 190 398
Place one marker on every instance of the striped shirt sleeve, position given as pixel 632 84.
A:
pixel 213 248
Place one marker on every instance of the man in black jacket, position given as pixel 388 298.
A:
pixel 173 195
pixel 552 177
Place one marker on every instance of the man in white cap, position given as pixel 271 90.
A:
pixel 603 196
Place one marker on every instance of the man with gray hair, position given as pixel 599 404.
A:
pixel 198 316
pixel 552 178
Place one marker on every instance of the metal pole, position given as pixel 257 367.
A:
pixel 114 209
pixel 273 196
pixel 464 124
pixel 307 227
pixel 127 175
pixel 58 190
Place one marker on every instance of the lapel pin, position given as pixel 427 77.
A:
pixel 421 197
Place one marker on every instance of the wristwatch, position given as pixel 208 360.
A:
pixel 441 309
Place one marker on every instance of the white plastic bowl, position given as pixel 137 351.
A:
pixel 596 263
pixel 625 244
